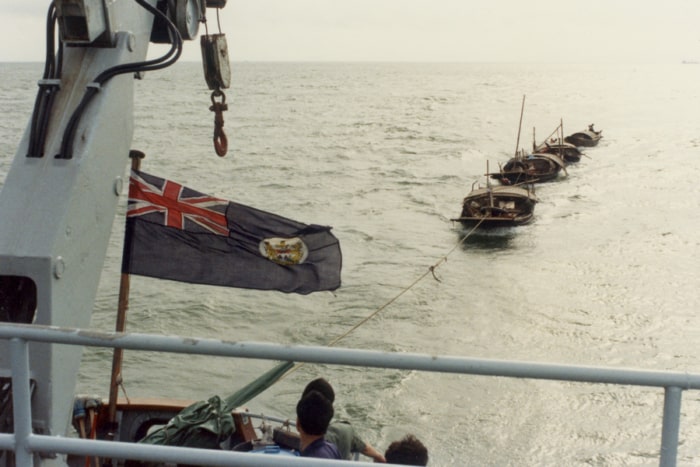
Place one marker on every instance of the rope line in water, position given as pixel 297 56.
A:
pixel 431 270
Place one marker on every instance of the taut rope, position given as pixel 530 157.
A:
pixel 431 270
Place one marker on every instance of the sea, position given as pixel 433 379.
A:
pixel 606 275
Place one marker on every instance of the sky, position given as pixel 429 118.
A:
pixel 539 31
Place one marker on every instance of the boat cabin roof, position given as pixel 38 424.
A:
pixel 502 190
pixel 552 157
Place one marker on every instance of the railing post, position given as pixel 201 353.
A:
pixel 21 401
pixel 671 426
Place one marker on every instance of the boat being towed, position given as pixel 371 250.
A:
pixel 498 206
pixel 566 151
pixel 529 168
pixel 553 144
pixel 585 138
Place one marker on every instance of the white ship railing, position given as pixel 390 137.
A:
pixel 25 444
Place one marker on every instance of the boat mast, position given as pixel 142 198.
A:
pixel 520 125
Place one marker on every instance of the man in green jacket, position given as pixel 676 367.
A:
pixel 342 433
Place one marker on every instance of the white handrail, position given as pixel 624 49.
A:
pixel 24 443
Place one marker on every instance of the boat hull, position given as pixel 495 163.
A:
pixel 492 222
pixel 497 207
pixel 538 167
pixel 584 139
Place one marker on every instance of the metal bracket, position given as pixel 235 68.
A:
pixel 84 22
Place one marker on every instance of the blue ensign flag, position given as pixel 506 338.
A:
pixel 176 233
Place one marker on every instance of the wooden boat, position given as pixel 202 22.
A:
pixel 530 168
pixel 566 151
pixel 554 144
pixel 585 138
pixel 497 206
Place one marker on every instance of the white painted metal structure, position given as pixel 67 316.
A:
pixel 59 198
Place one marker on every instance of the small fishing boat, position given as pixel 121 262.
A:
pixel 554 144
pixel 497 206
pixel 530 168
pixel 585 138
pixel 566 151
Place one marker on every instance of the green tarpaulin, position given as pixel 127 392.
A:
pixel 205 424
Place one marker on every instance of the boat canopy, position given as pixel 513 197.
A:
pixel 552 157
pixel 502 190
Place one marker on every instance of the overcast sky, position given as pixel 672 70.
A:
pixel 629 31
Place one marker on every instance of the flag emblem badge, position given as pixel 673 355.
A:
pixel 286 251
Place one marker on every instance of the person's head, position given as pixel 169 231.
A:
pixel 314 413
pixel 407 451
pixel 322 386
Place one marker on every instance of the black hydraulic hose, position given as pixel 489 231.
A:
pixel 50 62
pixel 47 91
pixel 52 88
pixel 149 65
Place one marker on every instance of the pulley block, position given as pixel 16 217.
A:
pixel 217 70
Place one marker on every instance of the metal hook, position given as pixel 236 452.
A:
pixel 220 139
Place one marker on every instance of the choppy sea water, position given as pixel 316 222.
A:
pixel 607 273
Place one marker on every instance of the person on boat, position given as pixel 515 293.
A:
pixel 408 451
pixel 314 413
pixel 341 432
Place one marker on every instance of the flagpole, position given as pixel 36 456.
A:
pixel 122 307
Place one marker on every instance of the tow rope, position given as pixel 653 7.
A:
pixel 430 271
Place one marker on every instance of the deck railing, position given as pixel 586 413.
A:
pixel 25 444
